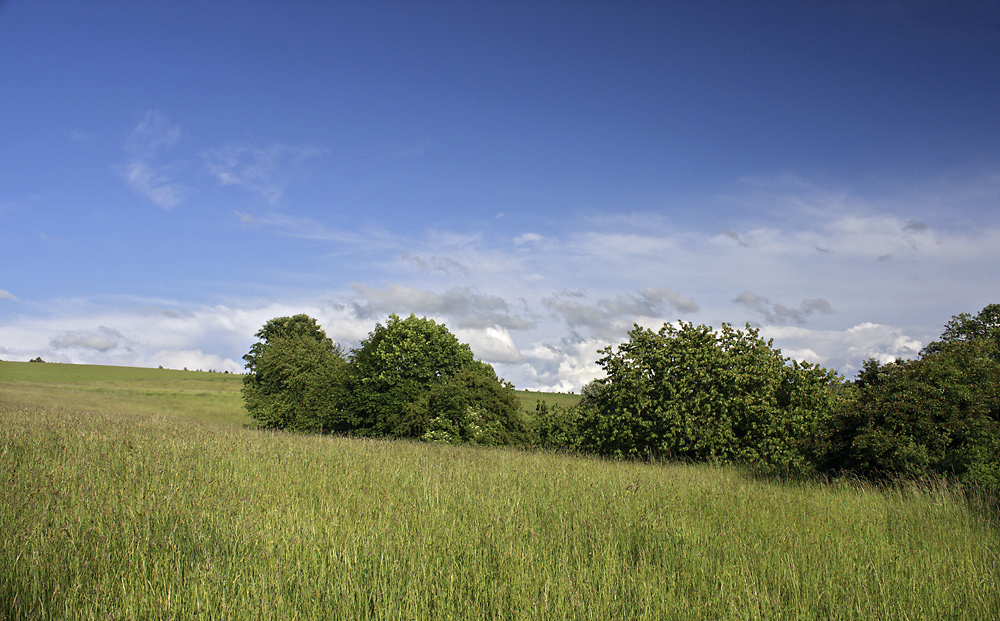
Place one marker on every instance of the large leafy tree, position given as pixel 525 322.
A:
pixel 412 374
pixel 296 378
pixel 691 392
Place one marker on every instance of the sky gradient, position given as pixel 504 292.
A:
pixel 538 176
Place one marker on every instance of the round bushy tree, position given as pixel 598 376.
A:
pixel 694 393
pixel 410 372
pixel 296 378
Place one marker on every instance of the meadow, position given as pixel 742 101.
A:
pixel 141 494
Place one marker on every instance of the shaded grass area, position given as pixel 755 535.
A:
pixel 120 514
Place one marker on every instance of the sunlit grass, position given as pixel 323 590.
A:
pixel 119 515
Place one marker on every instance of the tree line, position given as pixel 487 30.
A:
pixel 683 392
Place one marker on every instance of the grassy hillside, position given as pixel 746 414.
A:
pixel 198 394
pixel 188 394
pixel 114 510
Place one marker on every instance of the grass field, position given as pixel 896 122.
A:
pixel 137 494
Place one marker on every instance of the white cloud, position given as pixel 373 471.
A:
pixel 7 295
pixel 528 238
pixel 539 306
pixel 493 344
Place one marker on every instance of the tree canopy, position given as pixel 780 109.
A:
pixel 939 413
pixel 691 392
pixel 295 377
pixel 410 378
pixel 411 374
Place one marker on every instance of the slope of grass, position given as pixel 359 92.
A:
pixel 121 514
pixel 191 394
pixel 529 398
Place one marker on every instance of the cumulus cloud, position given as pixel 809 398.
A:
pixel 845 350
pixel 779 313
pixel 563 365
pixel 493 344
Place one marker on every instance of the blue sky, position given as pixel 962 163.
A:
pixel 538 176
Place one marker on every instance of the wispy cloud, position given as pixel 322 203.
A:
pixel 154 132
pixel 156 186
pixel 7 295
pixel 143 172
pixel 261 171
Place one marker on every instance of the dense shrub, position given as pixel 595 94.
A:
pixel 556 427
pixel 937 414
pixel 691 392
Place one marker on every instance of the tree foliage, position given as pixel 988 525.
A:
pixel 295 378
pixel 413 378
pixel 937 414
pixel 691 392
pixel 410 378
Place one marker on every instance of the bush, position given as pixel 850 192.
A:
pixel 413 378
pixel 937 414
pixel 691 392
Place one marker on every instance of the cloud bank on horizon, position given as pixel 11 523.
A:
pixel 540 182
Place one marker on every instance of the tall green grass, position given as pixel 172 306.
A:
pixel 114 514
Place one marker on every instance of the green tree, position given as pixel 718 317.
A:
pixel 473 406
pixel 964 328
pixel 691 392
pixel 296 378
pixel 937 414
pixel 412 375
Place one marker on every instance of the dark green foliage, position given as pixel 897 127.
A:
pixel 556 427
pixel 694 393
pixel 472 406
pixel 295 378
pixel 413 378
pixel 396 365
pixel 964 328
pixel 937 414
pixel 410 378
